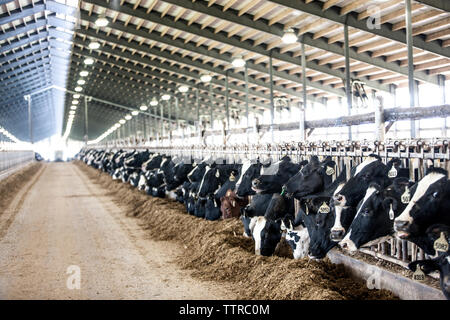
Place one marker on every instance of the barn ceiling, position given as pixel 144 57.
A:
pixel 151 47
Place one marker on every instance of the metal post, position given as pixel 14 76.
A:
pixel 197 102
pixel 305 97
pixel 211 113
pixel 348 86
pixel 30 120
pixel 379 118
pixel 409 44
pixel 86 133
pixel 161 109
pixel 247 130
pixel 227 106
pixel 169 106
pixel 176 113
pixel 441 81
pixel 272 106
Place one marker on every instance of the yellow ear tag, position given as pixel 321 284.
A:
pixel 392 173
pixel 329 171
pixel 324 208
pixel 418 275
pixel 391 213
pixel 406 197
pixel 232 177
pixel 441 244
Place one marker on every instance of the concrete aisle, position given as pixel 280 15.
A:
pixel 62 219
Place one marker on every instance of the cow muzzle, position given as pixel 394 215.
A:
pixel 348 245
pixel 401 227
pixel 337 234
pixel 339 200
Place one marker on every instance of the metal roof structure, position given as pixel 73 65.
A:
pixel 151 47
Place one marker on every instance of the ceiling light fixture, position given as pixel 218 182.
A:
pixel 94 45
pixel 165 97
pixel 143 108
pixel 73 107
pixel 183 89
pixel 84 73
pixel 205 78
pixel 101 21
pixel 238 62
pixel 122 121
pixel 88 61
pixel 128 117
pixel 76 96
pixel 154 102
pixel 78 89
pixel 134 112
pixel 74 101
pixel 81 82
pixel 289 36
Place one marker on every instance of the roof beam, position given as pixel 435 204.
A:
pixel 438 4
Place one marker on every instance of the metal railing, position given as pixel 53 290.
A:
pixel 11 159
pixel 416 155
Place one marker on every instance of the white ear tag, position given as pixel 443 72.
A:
pixel 232 177
pixel 406 196
pixel 324 208
pixel 392 173
pixel 233 203
pixel 217 174
pixel 418 275
pixel 215 203
pixel 391 213
pixel 307 210
pixel 441 244
pixel 329 171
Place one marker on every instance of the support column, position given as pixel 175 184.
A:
pixel 197 102
pixel 161 109
pixel 348 85
pixel 379 119
pixel 30 119
pixel 86 120
pixel 227 106
pixel 441 82
pixel 211 116
pixel 305 97
pixel 272 106
pixel 247 115
pixel 409 44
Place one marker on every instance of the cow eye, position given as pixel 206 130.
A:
pixel 367 212
pixel 435 194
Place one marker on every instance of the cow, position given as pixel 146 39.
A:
pixel 266 235
pixel 345 202
pixel 230 204
pixel 441 263
pixel 250 170
pixel 429 204
pixel 297 237
pixel 273 177
pixel 314 177
pixel 375 215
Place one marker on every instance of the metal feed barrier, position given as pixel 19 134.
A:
pixel 12 159
pixel 416 155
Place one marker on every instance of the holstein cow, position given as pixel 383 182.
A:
pixel 266 235
pixel 374 220
pixel 296 235
pixel 440 235
pixel 345 202
pixel 429 204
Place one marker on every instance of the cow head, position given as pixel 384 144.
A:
pixel 196 174
pixel 348 197
pixel 429 204
pixel 249 171
pixel 312 178
pixel 153 163
pixel 279 206
pixel 266 234
pixel 230 205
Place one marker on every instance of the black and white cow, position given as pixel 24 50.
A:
pixel 429 204
pixel 250 170
pixel 345 202
pixel 374 220
pixel 296 235
pixel 266 235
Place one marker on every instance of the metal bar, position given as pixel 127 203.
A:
pixel 348 85
pixel 86 120
pixel 443 101
pixel 227 106
pixel 305 96
pixel 247 115
pixel 409 44
pixel 272 105
pixel 30 119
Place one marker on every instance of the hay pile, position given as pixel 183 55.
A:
pixel 216 250
pixel 11 185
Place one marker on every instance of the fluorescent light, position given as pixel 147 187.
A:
pixel 205 78
pixel 122 121
pixel 143 108
pixel 128 117
pixel 88 61
pixel 75 102
pixel 238 62
pixel 117 125
pixel 84 73
pixel 101 21
pixel 81 82
pixel 78 89
pixel 154 102
pixel 134 112
pixel 183 89
pixel 289 36
pixel 165 97
pixel 76 96
pixel 94 45
pixel 71 112
pixel 73 107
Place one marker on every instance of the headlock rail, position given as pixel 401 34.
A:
pixel 416 155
